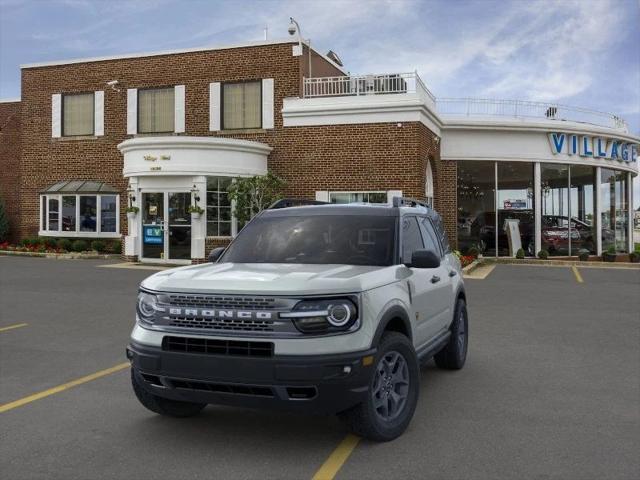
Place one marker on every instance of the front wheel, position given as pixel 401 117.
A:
pixel 393 392
pixel 164 406
pixel 454 354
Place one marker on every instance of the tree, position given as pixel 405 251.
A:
pixel 4 222
pixel 253 194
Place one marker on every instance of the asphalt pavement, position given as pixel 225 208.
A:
pixel 551 389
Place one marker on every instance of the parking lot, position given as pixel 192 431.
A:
pixel 551 389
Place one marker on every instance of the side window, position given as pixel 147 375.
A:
pixel 411 238
pixel 442 235
pixel 429 235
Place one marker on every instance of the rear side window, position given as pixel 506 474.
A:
pixel 430 239
pixel 442 235
pixel 411 238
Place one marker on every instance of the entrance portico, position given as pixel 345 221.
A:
pixel 168 174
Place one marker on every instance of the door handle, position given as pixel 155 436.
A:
pixel 435 279
pixel 452 273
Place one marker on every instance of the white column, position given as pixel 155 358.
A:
pixel 132 239
pixel 199 226
pixel 537 192
pixel 598 212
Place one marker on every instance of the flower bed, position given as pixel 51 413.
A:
pixel 62 245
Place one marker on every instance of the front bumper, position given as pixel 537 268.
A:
pixel 316 384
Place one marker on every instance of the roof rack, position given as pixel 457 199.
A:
pixel 408 202
pixel 294 202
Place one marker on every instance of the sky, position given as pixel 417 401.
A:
pixel 578 52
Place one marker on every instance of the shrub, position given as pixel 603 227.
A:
pixel 611 250
pixel 583 254
pixel 253 194
pixel 543 254
pixel 520 253
pixel 473 252
pixel 4 223
pixel 98 245
pixel 115 246
pixel 79 246
pixel 64 244
pixel 634 257
pixel 47 242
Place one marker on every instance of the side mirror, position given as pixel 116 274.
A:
pixel 215 254
pixel 424 259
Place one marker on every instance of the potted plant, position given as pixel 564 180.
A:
pixel 132 212
pixel 634 256
pixel 520 254
pixel 543 254
pixel 610 255
pixel 195 211
pixel 583 255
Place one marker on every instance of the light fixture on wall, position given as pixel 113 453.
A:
pixel 132 198
pixel 294 28
pixel 195 193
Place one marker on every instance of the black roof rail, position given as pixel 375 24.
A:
pixel 294 202
pixel 408 202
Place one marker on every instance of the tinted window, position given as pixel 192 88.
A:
pixel 411 238
pixel 430 238
pixel 442 235
pixel 317 239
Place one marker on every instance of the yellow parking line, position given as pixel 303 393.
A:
pixel 334 463
pixel 11 327
pixel 577 274
pixel 60 388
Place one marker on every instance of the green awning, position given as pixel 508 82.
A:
pixel 80 186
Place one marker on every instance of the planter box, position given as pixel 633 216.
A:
pixel 634 257
pixel 131 216
pixel 609 257
pixel 195 216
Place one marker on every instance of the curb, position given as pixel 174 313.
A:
pixel 62 256
pixel 472 266
pixel 565 263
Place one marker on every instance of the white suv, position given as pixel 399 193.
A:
pixel 317 308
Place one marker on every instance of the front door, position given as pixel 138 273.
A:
pixel 166 227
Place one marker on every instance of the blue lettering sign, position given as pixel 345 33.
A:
pixel 585 147
pixel 152 235
pixel 557 142
pixel 573 147
pixel 614 150
pixel 601 151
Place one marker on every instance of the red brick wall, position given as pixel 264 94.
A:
pixel 10 162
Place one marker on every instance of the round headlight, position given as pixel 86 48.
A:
pixel 339 314
pixel 146 305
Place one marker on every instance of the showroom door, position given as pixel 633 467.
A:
pixel 166 227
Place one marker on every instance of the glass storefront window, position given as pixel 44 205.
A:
pixel 615 210
pixel 69 213
pixel 53 214
pixel 108 213
pixel 516 202
pixel 218 207
pixel 554 190
pixel 582 205
pixel 358 197
pixel 476 206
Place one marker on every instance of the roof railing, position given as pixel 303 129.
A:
pixel 408 202
pixel 294 202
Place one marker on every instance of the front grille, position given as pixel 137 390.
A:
pixel 226 324
pixel 223 302
pixel 218 347
pixel 254 390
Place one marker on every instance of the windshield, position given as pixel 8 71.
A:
pixel 347 239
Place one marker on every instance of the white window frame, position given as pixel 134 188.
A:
pixel 349 192
pixel 95 115
pixel 44 215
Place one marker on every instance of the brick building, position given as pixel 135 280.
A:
pixel 162 131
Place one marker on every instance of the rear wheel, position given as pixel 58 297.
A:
pixel 393 392
pixel 454 354
pixel 164 406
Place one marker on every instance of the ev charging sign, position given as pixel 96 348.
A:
pixel 594 147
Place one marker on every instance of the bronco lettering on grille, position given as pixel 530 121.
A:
pixel 240 314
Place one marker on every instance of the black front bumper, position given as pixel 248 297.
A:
pixel 317 384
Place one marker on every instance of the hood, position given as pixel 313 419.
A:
pixel 271 279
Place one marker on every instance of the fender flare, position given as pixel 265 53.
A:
pixel 395 311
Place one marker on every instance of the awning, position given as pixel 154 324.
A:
pixel 80 186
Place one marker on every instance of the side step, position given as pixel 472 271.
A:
pixel 434 346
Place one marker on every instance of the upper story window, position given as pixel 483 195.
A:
pixel 358 197
pixel 242 105
pixel 156 110
pixel 78 114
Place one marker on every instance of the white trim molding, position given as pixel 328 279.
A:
pixel 268 106
pixel 132 111
pixel 215 100
pixel 186 155
pixel 56 115
pixel 98 112
pixel 179 109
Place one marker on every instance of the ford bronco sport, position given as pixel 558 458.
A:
pixel 316 308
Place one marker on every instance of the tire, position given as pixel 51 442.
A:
pixel 367 419
pixel 454 354
pixel 164 406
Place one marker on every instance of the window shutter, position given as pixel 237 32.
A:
pixel 98 112
pixel 179 108
pixel 56 115
pixel 267 103
pixel 132 111
pixel 214 106
pixel 391 194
